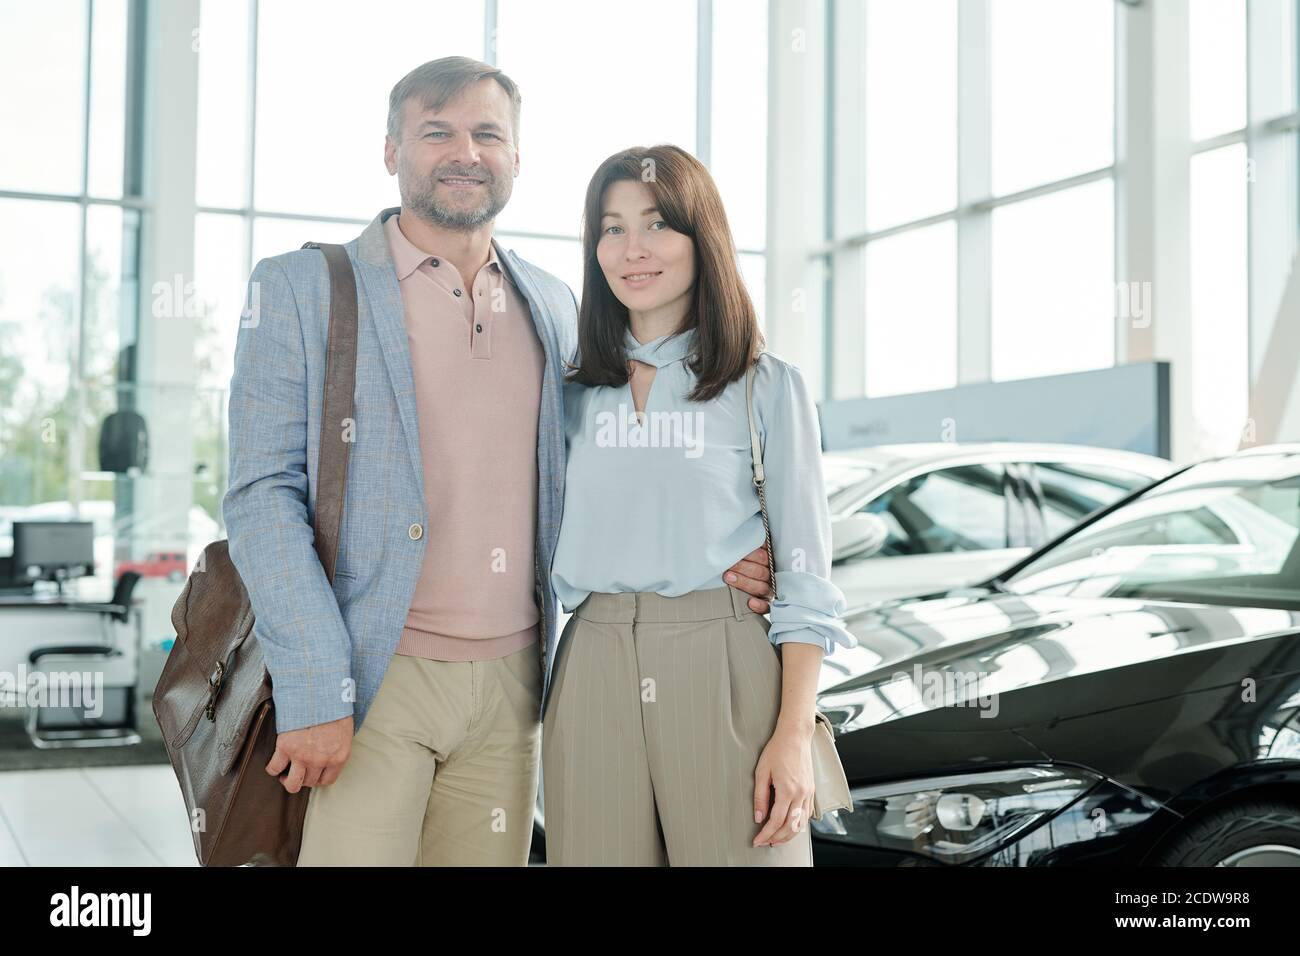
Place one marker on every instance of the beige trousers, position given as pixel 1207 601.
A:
pixel 443 771
pixel 656 716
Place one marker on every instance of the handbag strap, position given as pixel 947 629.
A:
pixel 822 756
pixel 760 477
pixel 340 387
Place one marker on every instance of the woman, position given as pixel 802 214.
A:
pixel 673 732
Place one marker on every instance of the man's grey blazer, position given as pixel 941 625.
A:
pixel 327 649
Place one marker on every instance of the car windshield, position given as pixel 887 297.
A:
pixel 1225 532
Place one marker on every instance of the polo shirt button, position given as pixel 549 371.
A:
pixel 415 531
pixel 433 261
pixel 478 328
pixel 455 292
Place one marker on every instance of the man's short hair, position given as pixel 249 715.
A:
pixel 438 81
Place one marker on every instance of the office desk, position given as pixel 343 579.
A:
pixel 32 621
pixel 56 601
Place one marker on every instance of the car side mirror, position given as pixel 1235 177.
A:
pixel 857 536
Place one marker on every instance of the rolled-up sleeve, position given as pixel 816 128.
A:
pixel 808 605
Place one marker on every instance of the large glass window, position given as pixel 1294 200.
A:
pixel 986 195
pixel 1053 290
pixel 320 129
pixel 56 66
pixel 223 137
pixel 738 144
pixel 739 133
pixel 68 262
pixel 38 346
pixel 911 110
pixel 619 83
pixel 1217 66
pixel 912 310
pixel 1053 91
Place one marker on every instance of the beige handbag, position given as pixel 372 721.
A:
pixel 830 786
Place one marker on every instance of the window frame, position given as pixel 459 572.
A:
pixel 137 208
pixel 843 255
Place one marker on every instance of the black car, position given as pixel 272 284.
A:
pixel 1127 694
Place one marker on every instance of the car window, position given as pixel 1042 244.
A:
pixel 945 511
pixel 1226 539
pixel 1070 491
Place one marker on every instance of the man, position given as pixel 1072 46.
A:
pixel 428 647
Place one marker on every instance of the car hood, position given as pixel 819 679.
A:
pixel 934 656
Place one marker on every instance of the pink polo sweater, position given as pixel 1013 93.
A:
pixel 477 364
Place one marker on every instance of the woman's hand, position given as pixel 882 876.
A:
pixel 785 766
pixel 752 575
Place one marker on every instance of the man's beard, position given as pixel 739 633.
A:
pixel 420 196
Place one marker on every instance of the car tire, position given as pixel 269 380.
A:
pixel 1257 833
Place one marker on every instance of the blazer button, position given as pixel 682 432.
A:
pixel 415 531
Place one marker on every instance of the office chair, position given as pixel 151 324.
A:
pixel 69 726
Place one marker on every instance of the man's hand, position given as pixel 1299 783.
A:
pixel 314 755
pixel 750 574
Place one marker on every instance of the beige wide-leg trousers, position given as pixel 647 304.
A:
pixel 657 713
pixel 443 771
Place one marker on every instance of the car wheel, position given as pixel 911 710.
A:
pixel 1258 833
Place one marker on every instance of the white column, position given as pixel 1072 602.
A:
pixel 166 350
pixel 1153 197
pixel 974 183
pixel 796 184
pixel 847 265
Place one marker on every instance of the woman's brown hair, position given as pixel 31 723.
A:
pixel 727 338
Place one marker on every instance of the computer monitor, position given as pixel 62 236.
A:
pixel 53 550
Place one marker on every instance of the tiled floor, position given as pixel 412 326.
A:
pixel 96 816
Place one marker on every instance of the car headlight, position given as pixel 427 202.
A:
pixel 956 818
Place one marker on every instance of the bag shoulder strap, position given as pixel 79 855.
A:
pixel 340 387
pixel 760 478
pixel 755 446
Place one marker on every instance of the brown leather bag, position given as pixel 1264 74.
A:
pixel 214 700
